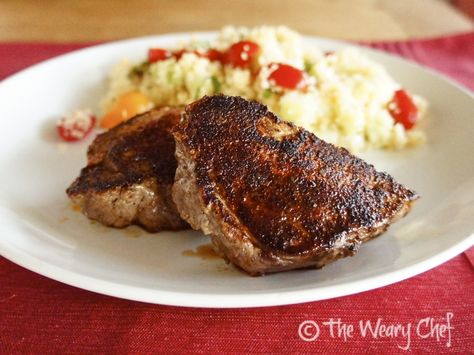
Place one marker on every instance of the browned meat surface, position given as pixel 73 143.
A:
pixel 129 174
pixel 273 196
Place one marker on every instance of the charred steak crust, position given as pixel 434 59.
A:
pixel 272 195
pixel 141 146
pixel 130 172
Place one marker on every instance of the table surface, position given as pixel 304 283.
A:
pixel 90 20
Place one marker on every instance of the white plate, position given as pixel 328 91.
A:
pixel 41 232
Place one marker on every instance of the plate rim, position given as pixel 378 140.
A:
pixel 214 300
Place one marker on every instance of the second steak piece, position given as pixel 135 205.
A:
pixel 273 196
pixel 129 173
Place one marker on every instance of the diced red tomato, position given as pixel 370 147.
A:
pixel 287 76
pixel 213 55
pixel 403 109
pixel 76 126
pixel 157 54
pixel 241 54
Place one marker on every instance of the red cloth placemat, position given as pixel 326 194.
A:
pixel 38 315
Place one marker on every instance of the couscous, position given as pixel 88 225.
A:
pixel 343 97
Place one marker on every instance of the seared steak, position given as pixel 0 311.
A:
pixel 273 196
pixel 129 174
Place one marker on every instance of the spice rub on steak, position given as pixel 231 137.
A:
pixel 129 174
pixel 273 196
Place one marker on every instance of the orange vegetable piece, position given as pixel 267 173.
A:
pixel 128 105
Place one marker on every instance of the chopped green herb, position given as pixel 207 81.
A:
pixel 170 75
pixel 308 66
pixel 139 70
pixel 197 93
pixel 216 84
pixel 267 94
